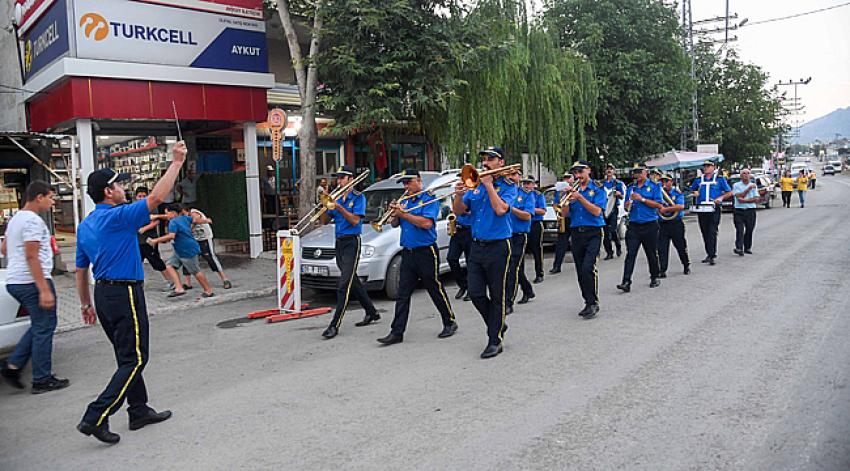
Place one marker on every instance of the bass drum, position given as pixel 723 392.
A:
pixel 611 204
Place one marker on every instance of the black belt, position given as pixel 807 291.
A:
pixel 462 228
pixel 642 223
pixel 487 242
pixel 420 248
pixel 347 236
pixel 120 282
pixel 585 228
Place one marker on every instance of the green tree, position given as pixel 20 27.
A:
pixel 641 69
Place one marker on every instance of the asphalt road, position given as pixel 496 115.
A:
pixel 743 365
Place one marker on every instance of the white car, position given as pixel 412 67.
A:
pixel 828 170
pixel 836 165
pixel 14 320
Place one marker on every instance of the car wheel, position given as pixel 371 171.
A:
pixel 391 281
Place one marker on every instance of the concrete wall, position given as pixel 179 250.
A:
pixel 12 117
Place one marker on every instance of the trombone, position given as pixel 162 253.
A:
pixel 378 225
pixel 471 176
pixel 327 202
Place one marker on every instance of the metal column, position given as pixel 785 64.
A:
pixel 252 184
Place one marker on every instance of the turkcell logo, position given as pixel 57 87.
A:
pixel 98 28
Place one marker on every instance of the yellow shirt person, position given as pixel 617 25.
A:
pixel 802 183
pixel 787 183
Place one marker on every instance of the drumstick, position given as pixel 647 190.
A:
pixel 177 121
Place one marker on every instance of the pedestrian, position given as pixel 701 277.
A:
pixel 710 189
pixel 802 187
pixel 746 196
pixel 321 189
pixel 203 234
pixel 520 217
pixel 420 257
pixel 29 253
pixel 585 209
pixel 148 232
pixel 672 229
pixel 813 179
pixel 535 237
pixel 787 186
pixel 347 216
pixel 612 185
pixel 489 203
pixel 188 188
pixel 643 199
pixel 106 240
pixel 186 248
pixel 562 246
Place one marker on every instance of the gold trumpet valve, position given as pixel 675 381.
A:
pixel 330 205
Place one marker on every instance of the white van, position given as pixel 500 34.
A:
pixel 836 165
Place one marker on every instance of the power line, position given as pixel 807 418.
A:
pixel 771 20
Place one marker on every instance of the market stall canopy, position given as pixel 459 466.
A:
pixel 679 160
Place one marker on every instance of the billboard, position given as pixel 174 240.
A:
pixel 27 12
pixel 125 31
pixel 46 40
pixel 246 8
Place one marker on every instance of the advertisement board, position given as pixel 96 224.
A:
pixel 246 8
pixel 152 34
pixel 27 12
pixel 46 40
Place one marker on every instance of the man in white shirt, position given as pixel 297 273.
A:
pixel 746 196
pixel 30 262
pixel 188 188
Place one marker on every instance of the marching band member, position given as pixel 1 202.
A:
pixel 563 244
pixel 348 224
pixel 672 230
pixel 643 198
pixel 711 188
pixel 611 183
pixel 460 243
pixel 746 196
pixel 535 237
pixel 655 177
pixel 487 266
pixel 585 212
pixel 420 257
pixel 521 212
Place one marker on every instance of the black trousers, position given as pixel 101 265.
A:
pixel 535 246
pixel 562 246
pixel 745 224
pixel 488 279
pixel 709 226
pixel 786 198
pixel 123 316
pixel 421 263
pixel 347 258
pixel 672 231
pixel 611 234
pixel 586 242
pixel 459 244
pixel 516 268
pixel 151 254
pixel 638 235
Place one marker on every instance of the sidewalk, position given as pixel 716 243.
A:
pixel 251 278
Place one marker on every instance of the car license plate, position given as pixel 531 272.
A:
pixel 315 270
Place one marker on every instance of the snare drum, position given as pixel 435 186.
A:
pixel 703 208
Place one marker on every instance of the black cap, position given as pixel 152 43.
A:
pixel 529 179
pixel 638 168
pixel 579 165
pixel 102 179
pixel 494 151
pixel 667 176
pixel 656 171
pixel 708 162
pixel 344 170
pixel 408 174
pixel 611 166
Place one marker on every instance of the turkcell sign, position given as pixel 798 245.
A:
pixel 46 40
pixel 123 31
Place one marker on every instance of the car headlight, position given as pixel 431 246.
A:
pixel 367 251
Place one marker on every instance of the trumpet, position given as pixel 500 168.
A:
pixel 471 176
pixel 559 206
pixel 378 225
pixel 327 202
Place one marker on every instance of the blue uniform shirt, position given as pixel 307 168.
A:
pixel 106 239
pixel 184 243
pixel 540 203
pixel 716 185
pixel 464 220
pixel 739 187
pixel 355 204
pixel 486 224
pixel 525 201
pixel 412 236
pixel 678 198
pixel 581 217
pixel 640 212
pixel 614 185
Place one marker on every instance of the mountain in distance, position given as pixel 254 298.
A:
pixel 826 127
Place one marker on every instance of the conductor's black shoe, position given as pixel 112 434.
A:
pixel 152 417
pixel 525 298
pixel 330 332
pixel 52 383
pixel 102 433
pixel 11 376
pixel 706 259
pixel 610 256
pixel 448 330
pixel 712 261
pixel 466 297
pixel 626 286
pixel 491 351
pixel 687 269
pixel 538 279
pixel 583 312
pixel 654 283
pixel 555 270
pixel 592 310
pixel 460 293
pixel 662 274
pixel 368 319
pixel 391 339
pixel 739 252
pixel 748 251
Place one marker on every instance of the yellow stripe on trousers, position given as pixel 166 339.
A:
pixel 504 288
pixel 138 360
pixel 350 280
pixel 440 285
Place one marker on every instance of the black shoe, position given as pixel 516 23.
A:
pixel 584 311
pixel 706 260
pixel 654 283
pixel 491 351
pixel 391 339
pixel 619 251
pixel 739 252
pixel 448 331
pixel 610 256
pixel 52 383
pixel 152 417
pixel 555 270
pixel 102 433
pixel 466 298
pixel 625 287
pixel 748 252
pixel 525 298
pixel 538 280
pixel 509 310
pixel 712 261
pixel 592 310
pixel 11 376
pixel 368 320
pixel 330 332
pixel 460 293
pixel 687 269
pixel 662 274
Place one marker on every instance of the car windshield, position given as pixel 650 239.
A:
pixel 378 200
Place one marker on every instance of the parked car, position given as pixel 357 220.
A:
pixel 836 165
pixel 766 189
pixel 14 319
pixel 550 220
pixel 380 253
pixel 828 170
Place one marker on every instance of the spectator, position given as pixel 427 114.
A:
pixel 202 231
pixel 186 250
pixel 321 189
pixel 787 185
pixel 188 188
pixel 802 187
pixel 813 179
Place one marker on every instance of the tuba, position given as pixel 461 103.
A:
pixel 668 202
